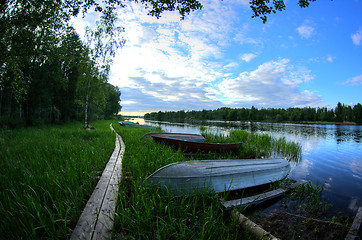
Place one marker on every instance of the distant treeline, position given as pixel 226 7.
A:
pixel 45 75
pixel 342 113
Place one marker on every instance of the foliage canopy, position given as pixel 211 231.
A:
pixel 43 62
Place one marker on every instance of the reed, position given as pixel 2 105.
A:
pixel 258 145
pixel 47 175
pixel 309 197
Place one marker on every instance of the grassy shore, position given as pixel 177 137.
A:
pixel 147 213
pixel 47 175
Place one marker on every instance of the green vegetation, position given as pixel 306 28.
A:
pixel 262 8
pixel 342 113
pixel 47 175
pixel 147 213
pixel 309 197
pixel 258 145
pixel 53 88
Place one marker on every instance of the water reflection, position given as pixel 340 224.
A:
pixel 331 154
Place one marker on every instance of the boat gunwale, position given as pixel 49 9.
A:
pixel 182 136
pixel 221 160
pixel 201 143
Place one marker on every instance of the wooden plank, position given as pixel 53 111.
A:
pixel 88 219
pixel 254 228
pixel 257 199
pixel 96 221
pixel 103 228
pixel 353 232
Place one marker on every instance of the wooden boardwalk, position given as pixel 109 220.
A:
pixel 96 221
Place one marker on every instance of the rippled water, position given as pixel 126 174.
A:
pixel 332 154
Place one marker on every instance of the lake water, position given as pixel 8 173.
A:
pixel 331 154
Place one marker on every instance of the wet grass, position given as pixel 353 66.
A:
pixel 47 175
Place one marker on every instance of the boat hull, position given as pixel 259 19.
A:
pixel 185 136
pixel 193 146
pixel 135 125
pixel 187 178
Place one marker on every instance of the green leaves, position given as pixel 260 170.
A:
pixel 262 8
pixel 184 7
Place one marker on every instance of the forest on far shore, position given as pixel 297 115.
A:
pixel 341 114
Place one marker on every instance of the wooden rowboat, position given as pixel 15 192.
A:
pixel 187 178
pixel 134 125
pixel 185 136
pixel 194 146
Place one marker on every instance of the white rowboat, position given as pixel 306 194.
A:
pixel 187 178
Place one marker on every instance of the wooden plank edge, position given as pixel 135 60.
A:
pixel 260 198
pixel 352 234
pixel 254 228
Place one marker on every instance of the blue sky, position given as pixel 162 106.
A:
pixel 221 57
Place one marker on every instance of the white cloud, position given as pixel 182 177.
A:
pixel 272 84
pixel 305 31
pixel 247 57
pixel 169 64
pixel 242 38
pixel 243 2
pixel 169 94
pixel 231 65
pixel 324 59
pixel 356 81
pixel 357 37
pixel 330 59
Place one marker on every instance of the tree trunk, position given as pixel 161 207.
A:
pixel 9 104
pixel 39 111
pixel 1 100
pixel 86 106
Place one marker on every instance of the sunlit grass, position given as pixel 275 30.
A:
pixel 47 175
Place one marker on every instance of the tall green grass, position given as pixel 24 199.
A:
pixel 258 145
pixel 144 212
pixel 46 177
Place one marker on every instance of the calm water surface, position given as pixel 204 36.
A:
pixel 331 154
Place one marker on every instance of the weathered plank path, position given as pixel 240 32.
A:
pixel 356 225
pixel 96 221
